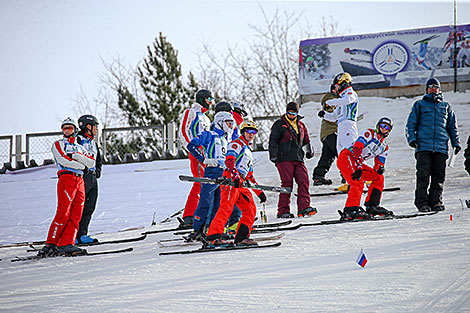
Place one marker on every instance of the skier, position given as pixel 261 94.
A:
pixel 287 141
pixel 370 144
pixel 72 160
pixel 239 169
pixel 467 156
pixel 328 139
pixel 194 122
pixel 88 125
pixel 345 113
pixel 214 146
pixel 224 106
pixel 431 123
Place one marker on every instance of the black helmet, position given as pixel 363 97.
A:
pixel 432 81
pixel 239 108
pixel 202 95
pixel 87 119
pixel 384 120
pixel 223 106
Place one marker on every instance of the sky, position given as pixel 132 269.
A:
pixel 51 50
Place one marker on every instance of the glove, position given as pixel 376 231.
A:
pixel 308 151
pixel 309 155
pixel 85 170
pixel 413 144
pixel 380 170
pixel 262 197
pixel 211 162
pixel 235 176
pixel 321 114
pixel 357 174
pixel 70 155
pixel 457 150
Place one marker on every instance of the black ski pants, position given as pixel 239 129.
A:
pixel 91 196
pixel 430 166
pixel 328 155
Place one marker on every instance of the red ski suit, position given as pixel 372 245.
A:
pixel 71 158
pixel 368 145
pixel 238 159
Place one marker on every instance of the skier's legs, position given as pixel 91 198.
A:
pixel 328 154
pixel 301 178
pixel 247 205
pixel 228 197
pixel 376 186
pixel 202 210
pixel 91 196
pixel 286 173
pixel 71 227
pixel 197 170
pixel 344 164
pixel 423 172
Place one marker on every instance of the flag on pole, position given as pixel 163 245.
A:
pixel 361 259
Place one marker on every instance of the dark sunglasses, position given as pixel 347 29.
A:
pixel 385 126
pixel 433 86
pixel 251 131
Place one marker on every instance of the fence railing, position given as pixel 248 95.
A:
pixel 6 148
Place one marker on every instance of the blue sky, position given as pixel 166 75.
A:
pixel 50 48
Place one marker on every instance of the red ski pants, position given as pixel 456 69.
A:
pixel 346 166
pixel 197 169
pixel 70 200
pixel 229 197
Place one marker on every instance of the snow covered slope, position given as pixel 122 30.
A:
pixel 415 265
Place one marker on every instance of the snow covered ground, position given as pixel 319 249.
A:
pixel 415 265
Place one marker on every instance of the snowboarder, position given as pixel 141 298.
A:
pixel 88 125
pixel 328 139
pixel 287 141
pixel 214 146
pixel 431 123
pixel 72 160
pixel 370 144
pixel 194 122
pixel 345 113
pixel 239 169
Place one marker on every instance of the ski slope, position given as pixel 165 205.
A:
pixel 414 265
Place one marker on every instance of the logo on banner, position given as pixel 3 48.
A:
pixel 390 58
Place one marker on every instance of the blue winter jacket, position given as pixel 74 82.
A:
pixel 432 123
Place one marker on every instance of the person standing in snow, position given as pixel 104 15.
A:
pixel 214 146
pixel 193 122
pixel 370 144
pixel 345 113
pixel 288 138
pixel 88 125
pixel 72 160
pixel 328 137
pixel 431 123
pixel 239 168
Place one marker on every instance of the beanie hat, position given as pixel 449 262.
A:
pixel 292 106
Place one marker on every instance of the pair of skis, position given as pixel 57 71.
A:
pixel 84 253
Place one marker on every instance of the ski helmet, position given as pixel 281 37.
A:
pixel 70 121
pixel 239 108
pixel 203 96
pixel 343 80
pixel 87 119
pixel 432 81
pixel 248 125
pixel 387 121
pixel 309 60
pixel 220 119
pixel 223 106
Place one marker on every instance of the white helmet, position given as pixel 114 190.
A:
pixel 70 121
pixel 220 119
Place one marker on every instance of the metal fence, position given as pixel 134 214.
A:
pixel 38 146
pixel 6 148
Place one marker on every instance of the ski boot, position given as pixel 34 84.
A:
pixel 187 222
pixel 353 213
pixel 194 236
pixel 285 215
pixel 48 250
pixel 438 207
pixel 318 181
pixel 231 229
pixel 425 208
pixel 378 210
pixel 307 212
pixel 247 242
pixel 85 240
pixel 70 250
pixel 215 241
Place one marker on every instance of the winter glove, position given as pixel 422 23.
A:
pixel 308 151
pixel 414 144
pixel 262 197
pixel 321 114
pixel 380 170
pixel 309 155
pixel 237 182
pixel 357 174
pixel 211 162
pixel 457 150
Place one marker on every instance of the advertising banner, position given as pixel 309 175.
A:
pixel 388 59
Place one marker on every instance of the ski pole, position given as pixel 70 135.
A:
pixel 265 217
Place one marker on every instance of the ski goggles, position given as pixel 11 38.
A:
pixel 385 126
pixel 292 113
pixel 68 128
pixel 434 86
pixel 251 131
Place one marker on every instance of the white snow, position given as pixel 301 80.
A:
pixel 415 265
